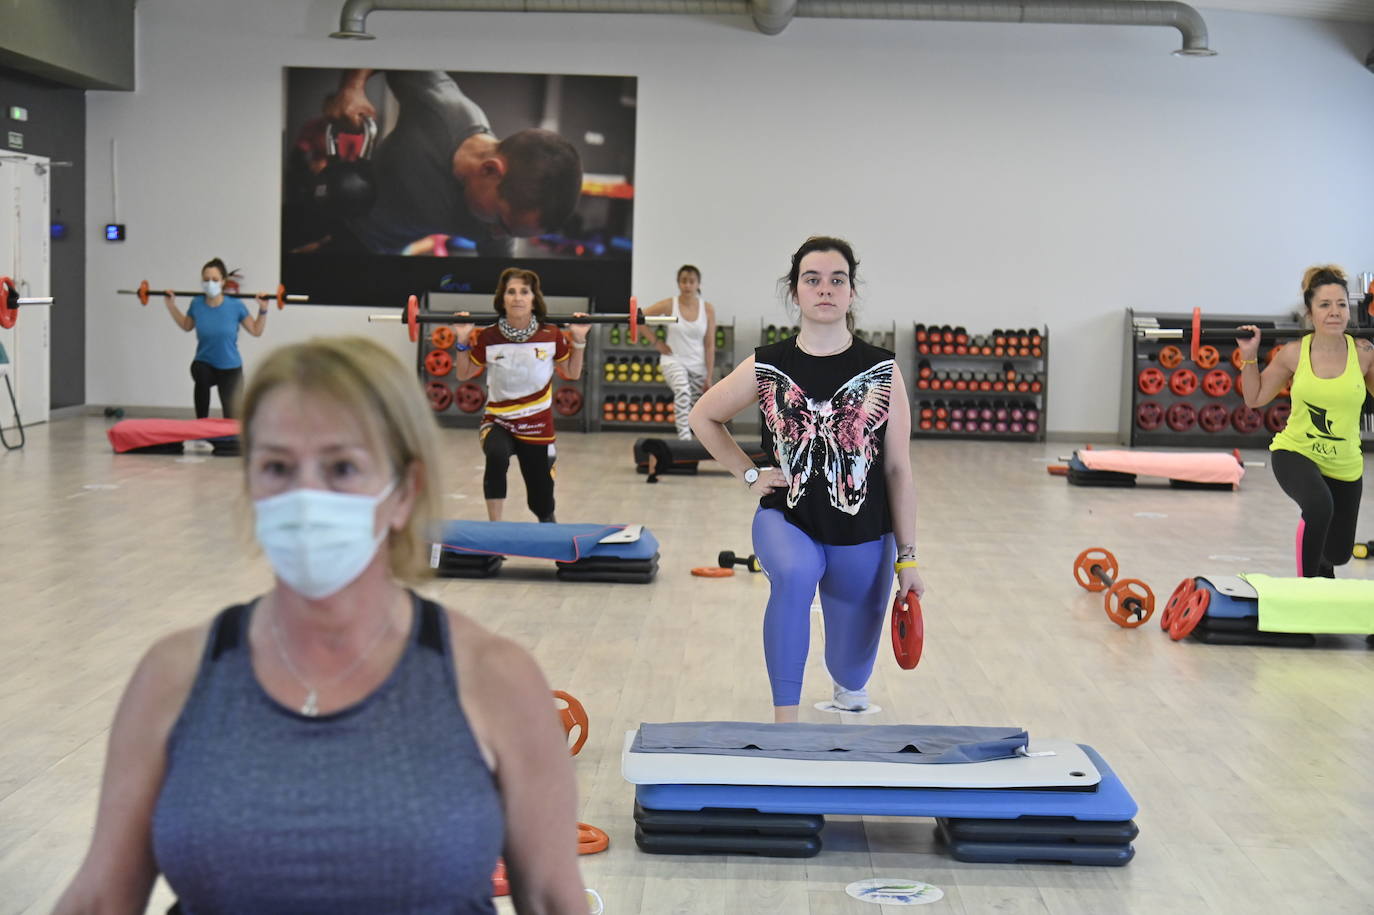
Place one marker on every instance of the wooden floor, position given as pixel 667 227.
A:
pixel 1253 767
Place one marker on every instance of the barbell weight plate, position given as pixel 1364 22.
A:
pixel 1276 417
pixel 1190 613
pixel 1083 568
pixel 500 884
pixel 1217 383
pixel 413 326
pixel 568 401
pixel 1235 359
pixel 1196 343
pixel 1182 591
pixel 1129 603
pixel 1246 420
pixel 1171 357
pixel 470 397
pixel 1213 417
pixel 1150 381
pixel 573 715
pixel 142 293
pixel 712 572
pixel 634 319
pixel 438 362
pixel 1207 356
pixel 1183 382
pixel 442 337
pixel 440 396
pixel 908 630
pixel 1149 415
pixel 1181 417
pixel 9 316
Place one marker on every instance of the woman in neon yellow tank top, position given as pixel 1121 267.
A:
pixel 1316 457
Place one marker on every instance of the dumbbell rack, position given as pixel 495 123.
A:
pixel 1182 394
pixel 613 348
pixel 453 417
pixel 961 362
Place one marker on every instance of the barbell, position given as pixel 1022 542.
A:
pixel 1129 601
pixel 414 317
pixel 1149 329
pixel 144 292
pixel 10 300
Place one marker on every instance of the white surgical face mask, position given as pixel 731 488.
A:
pixel 211 287
pixel 319 541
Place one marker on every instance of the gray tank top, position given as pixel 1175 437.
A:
pixel 385 806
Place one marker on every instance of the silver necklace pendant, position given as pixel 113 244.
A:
pixel 311 707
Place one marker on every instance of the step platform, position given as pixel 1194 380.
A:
pixel 1232 616
pixel 728 832
pixel 676 455
pixel 1108 800
pixel 1034 851
pixel 727 844
pixel 581 552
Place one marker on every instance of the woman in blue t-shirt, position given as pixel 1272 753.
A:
pixel 216 319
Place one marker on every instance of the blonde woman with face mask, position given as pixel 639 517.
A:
pixel 339 743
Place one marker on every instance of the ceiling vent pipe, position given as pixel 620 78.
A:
pixel 772 16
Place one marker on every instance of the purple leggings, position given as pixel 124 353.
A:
pixel 855 584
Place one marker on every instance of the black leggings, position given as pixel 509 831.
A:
pixel 1330 509
pixel 206 376
pixel 536 466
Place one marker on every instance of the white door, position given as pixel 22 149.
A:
pixel 24 258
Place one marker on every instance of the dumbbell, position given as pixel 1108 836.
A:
pixel 1129 601
pixel 727 559
pixel 1363 550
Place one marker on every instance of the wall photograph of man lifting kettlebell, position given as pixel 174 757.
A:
pixel 400 181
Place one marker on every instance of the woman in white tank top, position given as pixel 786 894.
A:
pixel 689 354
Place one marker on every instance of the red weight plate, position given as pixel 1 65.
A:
pixel 1217 383
pixel 634 319
pixel 712 572
pixel 1196 342
pixel 1235 358
pixel 1276 417
pixel 412 324
pixel 500 885
pixel 143 292
pixel 1190 613
pixel 442 337
pixel 1207 356
pixel 1149 415
pixel 908 630
pixel 470 397
pixel 440 396
pixel 1183 382
pixel 281 297
pixel 438 362
pixel 1083 568
pixel 568 401
pixel 1213 417
pixel 9 315
pixel 1245 420
pixel 1182 592
pixel 1171 357
pixel 1129 603
pixel 1150 381
pixel 573 715
pixel 1181 417
pixel 1273 353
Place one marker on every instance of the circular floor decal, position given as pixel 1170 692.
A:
pixel 894 892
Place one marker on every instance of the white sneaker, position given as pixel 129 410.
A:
pixel 851 700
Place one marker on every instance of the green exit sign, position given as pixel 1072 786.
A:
pixel 18 114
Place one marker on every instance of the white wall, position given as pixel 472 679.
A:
pixel 988 175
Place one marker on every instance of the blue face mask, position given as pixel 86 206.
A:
pixel 319 541
pixel 211 287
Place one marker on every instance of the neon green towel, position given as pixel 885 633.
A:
pixel 1314 604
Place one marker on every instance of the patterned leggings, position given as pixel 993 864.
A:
pixel 687 387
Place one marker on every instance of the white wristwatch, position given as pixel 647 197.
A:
pixel 751 476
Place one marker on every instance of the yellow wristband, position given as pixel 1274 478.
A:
pixel 1245 362
pixel 908 564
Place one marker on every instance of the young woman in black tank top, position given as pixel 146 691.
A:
pixel 841 503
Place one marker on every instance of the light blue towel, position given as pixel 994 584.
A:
pixel 899 743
